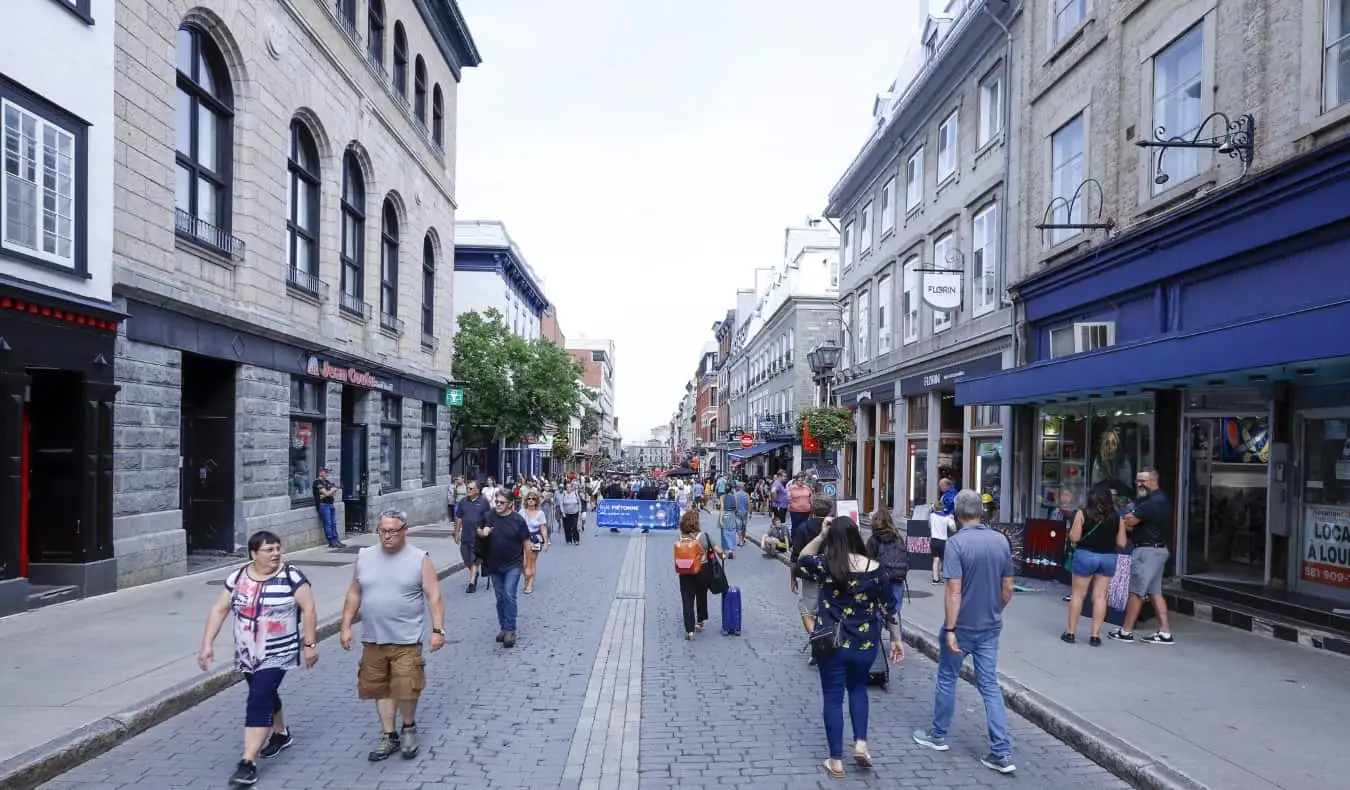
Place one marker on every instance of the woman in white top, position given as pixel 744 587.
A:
pixel 537 521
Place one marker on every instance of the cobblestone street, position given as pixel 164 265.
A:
pixel 722 711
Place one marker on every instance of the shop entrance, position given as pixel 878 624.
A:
pixel 1226 490
pixel 207 435
pixel 355 471
pixel 54 422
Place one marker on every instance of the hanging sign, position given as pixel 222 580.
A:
pixel 942 290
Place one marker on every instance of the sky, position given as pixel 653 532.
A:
pixel 646 156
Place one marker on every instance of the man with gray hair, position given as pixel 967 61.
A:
pixel 978 573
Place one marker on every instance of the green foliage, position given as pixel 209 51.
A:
pixel 562 450
pixel 513 386
pixel 830 425
pixel 590 424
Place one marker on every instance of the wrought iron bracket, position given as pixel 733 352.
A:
pixel 1069 204
pixel 1237 140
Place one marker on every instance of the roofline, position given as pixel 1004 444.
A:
pixel 451 32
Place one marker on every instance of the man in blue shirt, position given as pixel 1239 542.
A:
pixel 942 522
pixel 979 584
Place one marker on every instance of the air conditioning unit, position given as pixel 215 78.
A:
pixel 1081 337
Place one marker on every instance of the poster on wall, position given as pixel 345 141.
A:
pixel 1326 545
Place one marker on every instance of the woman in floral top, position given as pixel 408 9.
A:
pixel 854 592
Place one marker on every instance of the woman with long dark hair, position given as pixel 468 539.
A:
pixel 887 546
pixel 855 598
pixel 1096 533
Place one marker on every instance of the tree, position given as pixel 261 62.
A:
pixel 590 424
pixel 830 425
pixel 562 450
pixel 513 386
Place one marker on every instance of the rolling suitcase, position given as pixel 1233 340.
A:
pixel 731 611
pixel 880 673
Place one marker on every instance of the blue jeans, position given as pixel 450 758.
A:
pixel 845 671
pixel 504 584
pixel 982 646
pixel 731 528
pixel 328 515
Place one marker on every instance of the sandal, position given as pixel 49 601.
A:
pixel 863 759
pixel 833 772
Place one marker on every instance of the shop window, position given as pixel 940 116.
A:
pixel 1062 471
pixel 987 469
pixel 950 460
pixel 1326 503
pixel 308 402
pixel 1079 448
pixel 952 417
pixel 886 423
pixel 428 444
pixel 391 443
pixel 917 472
pixel 917 414
pixel 985 417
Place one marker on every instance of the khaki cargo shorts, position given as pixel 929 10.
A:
pixel 391 672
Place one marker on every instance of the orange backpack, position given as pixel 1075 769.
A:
pixel 689 553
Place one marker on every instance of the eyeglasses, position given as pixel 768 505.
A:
pixel 502 502
pixel 389 533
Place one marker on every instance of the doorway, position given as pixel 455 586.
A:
pixel 207 435
pixel 54 417
pixel 355 468
pixel 1226 488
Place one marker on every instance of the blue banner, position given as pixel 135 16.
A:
pixel 637 514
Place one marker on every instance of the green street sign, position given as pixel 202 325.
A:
pixel 454 396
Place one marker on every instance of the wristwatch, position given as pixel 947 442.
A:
pixel 438 631
pixel 311 644
pixel 949 630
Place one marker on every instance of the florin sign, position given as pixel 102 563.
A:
pixel 322 368
pixel 942 290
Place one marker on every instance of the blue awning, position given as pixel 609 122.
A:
pixel 759 449
pixel 1281 345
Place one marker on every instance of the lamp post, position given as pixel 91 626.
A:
pixel 823 359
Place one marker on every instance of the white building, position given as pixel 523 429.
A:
pixel 597 356
pixel 56 318
pixel 491 273
pixel 650 454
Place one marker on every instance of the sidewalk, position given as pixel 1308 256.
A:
pixel 1220 709
pixel 80 677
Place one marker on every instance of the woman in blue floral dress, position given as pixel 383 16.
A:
pixel 854 592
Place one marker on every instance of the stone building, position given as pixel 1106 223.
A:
pixel 927 258
pixel 284 235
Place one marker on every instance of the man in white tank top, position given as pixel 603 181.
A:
pixel 394 586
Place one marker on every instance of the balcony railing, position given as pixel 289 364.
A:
pixel 307 283
pixel 204 233
pixel 353 306
pixel 348 26
pixel 391 323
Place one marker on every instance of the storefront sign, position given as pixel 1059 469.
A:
pixel 942 290
pixel 1326 545
pixel 946 378
pixel 342 374
pixel 454 396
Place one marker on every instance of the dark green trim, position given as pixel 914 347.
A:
pixel 446 23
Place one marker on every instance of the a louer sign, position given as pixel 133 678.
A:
pixel 942 290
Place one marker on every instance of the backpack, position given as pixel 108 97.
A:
pixel 893 557
pixel 689 555
pixel 571 503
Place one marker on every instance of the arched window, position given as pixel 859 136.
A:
pixel 437 116
pixel 353 236
pixel 428 288
pixel 375 32
pixel 420 89
pixel 347 14
pixel 400 60
pixel 389 266
pixel 302 217
pixel 203 146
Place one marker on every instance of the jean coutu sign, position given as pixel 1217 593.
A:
pixel 343 374
pixel 942 290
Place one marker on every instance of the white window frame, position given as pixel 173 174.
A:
pixel 914 181
pixel 864 325
pixel 1335 48
pixel 848 246
pixel 942 319
pixel 42 125
pixel 991 107
pixel 885 313
pixel 1180 164
pixel 1065 17
pixel 846 318
pixel 1067 170
pixel 865 229
pixel 984 260
pixel 949 145
pixel 910 300
pixel 888 206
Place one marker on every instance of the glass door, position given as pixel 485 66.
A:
pixel 1224 496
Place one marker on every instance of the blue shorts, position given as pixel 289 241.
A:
pixel 1091 563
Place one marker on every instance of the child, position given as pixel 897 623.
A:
pixel 775 540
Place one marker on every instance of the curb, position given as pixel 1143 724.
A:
pixel 43 763
pixel 1114 754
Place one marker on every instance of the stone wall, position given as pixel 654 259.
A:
pixel 148 538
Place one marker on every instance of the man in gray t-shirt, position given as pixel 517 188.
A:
pixel 978 576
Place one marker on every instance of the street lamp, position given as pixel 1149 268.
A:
pixel 823 359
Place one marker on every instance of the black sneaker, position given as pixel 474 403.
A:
pixel 1095 641
pixel 1121 636
pixel 509 639
pixel 409 741
pixel 387 745
pixel 246 774
pixel 1068 637
pixel 472 586
pixel 1160 639
pixel 501 635
pixel 274 745
pixel 935 581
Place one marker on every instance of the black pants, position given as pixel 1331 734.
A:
pixel 570 532
pixel 693 592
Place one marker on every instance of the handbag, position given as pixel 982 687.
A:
pixel 717 572
pixel 825 639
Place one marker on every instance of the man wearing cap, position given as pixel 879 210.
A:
pixel 325 500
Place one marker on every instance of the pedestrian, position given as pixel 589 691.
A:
pixel 728 523
pixel 470 512
pixel 1095 535
pixel 799 501
pixel 1149 524
pixel 887 546
pixel 694 552
pixel 942 523
pixel 855 601
pixel 978 572
pixel 571 505
pixel 778 498
pixel 821 507
pixel 325 501
pixel 273 604
pixel 536 521
pixel 507 541
pixel 742 513
pixel 775 540
pixel 394 586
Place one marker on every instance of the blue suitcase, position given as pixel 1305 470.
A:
pixel 731 611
